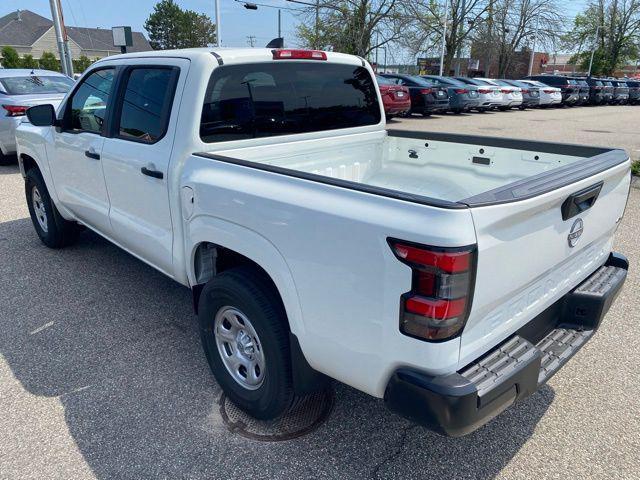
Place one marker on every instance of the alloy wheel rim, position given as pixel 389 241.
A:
pixel 39 210
pixel 239 347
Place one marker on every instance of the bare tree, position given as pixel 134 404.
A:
pixel 352 26
pixel 425 31
pixel 516 22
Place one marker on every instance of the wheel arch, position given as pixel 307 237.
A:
pixel 217 245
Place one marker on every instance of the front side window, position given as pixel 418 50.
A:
pixel 146 103
pixel 282 98
pixel 89 102
pixel 36 84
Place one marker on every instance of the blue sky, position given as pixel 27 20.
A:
pixel 237 22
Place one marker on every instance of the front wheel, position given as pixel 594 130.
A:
pixel 245 335
pixel 54 231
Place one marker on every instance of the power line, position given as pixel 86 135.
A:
pixel 251 40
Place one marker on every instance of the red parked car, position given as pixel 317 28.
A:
pixel 395 98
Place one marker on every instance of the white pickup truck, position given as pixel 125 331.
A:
pixel 450 275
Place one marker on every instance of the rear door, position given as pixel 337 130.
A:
pixel 527 259
pixel 136 158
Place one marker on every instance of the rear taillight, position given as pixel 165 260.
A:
pixel 505 90
pixel 439 302
pixel 484 90
pixel 426 91
pixel 299 55
pixel 15 110
pixel 525 91
pixel 461 90
pixel 548 91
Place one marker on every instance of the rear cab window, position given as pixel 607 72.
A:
pixel 283 98
pixel 145 105
pixel 36 84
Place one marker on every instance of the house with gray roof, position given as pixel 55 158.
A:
pixel 33 34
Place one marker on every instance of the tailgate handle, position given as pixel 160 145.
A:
pixel 581 201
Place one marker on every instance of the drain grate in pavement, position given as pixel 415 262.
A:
pixel 303 417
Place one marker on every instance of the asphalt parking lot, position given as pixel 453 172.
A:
pixel 102 373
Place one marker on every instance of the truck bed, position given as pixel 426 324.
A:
pixel 432 168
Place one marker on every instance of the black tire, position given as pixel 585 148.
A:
pixel 59 232
pixel 426 114
pixel 457 111
pixel 247 290
pixel 503 109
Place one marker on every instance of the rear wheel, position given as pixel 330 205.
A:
pixel 54 231
pixel 245 336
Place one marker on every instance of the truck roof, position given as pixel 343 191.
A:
pixel 232 55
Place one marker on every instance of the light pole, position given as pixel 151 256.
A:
pixel 593 51
pixel 218 24
pixel 444 35
pixel 533 47
pixel 254 6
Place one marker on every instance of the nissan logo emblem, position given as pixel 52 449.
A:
pixel 576 232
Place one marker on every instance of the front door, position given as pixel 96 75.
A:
pixel 75 162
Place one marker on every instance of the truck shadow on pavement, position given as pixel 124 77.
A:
pixel 117 344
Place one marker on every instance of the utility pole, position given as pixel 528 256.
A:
pixel 533 48
pixel 593 50
pixel 251 40
pixel 279 24
pixel 61 37
pixel 218 24
pixel 444 35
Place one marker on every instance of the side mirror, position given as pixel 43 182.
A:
pixel 42 115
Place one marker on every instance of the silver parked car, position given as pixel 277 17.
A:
pixel 512 95
pixel 21 89
pixel 490 95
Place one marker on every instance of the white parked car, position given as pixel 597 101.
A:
pixel 19 90
pixel 489 94
pixel 512 95
pixel 548 95
pixel 450 275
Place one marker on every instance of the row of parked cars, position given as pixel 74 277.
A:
pixel 427 94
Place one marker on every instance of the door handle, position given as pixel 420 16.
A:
pixel 152 173
pixel 92 154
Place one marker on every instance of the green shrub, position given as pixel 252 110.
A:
pixel 10 58
pixel 635 167
pixel 28 62
pixel 48 61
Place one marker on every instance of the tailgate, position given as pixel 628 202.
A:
pixel 529 256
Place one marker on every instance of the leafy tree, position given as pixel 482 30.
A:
pixel 81 64
pixel 29 62
pixel 48 61
pixel 10 58
pixel 617 23
pixel 171 27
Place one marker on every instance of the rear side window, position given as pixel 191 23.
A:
pixel 146 103
pixel 281 98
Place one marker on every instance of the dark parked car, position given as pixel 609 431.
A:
pixel 530 93
pixel 584 91
pixel 570 89
pixel 596 91
pixel 620 92
pixel 462 97
pixel 608 90
pixel 426 96
pixel 634 91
